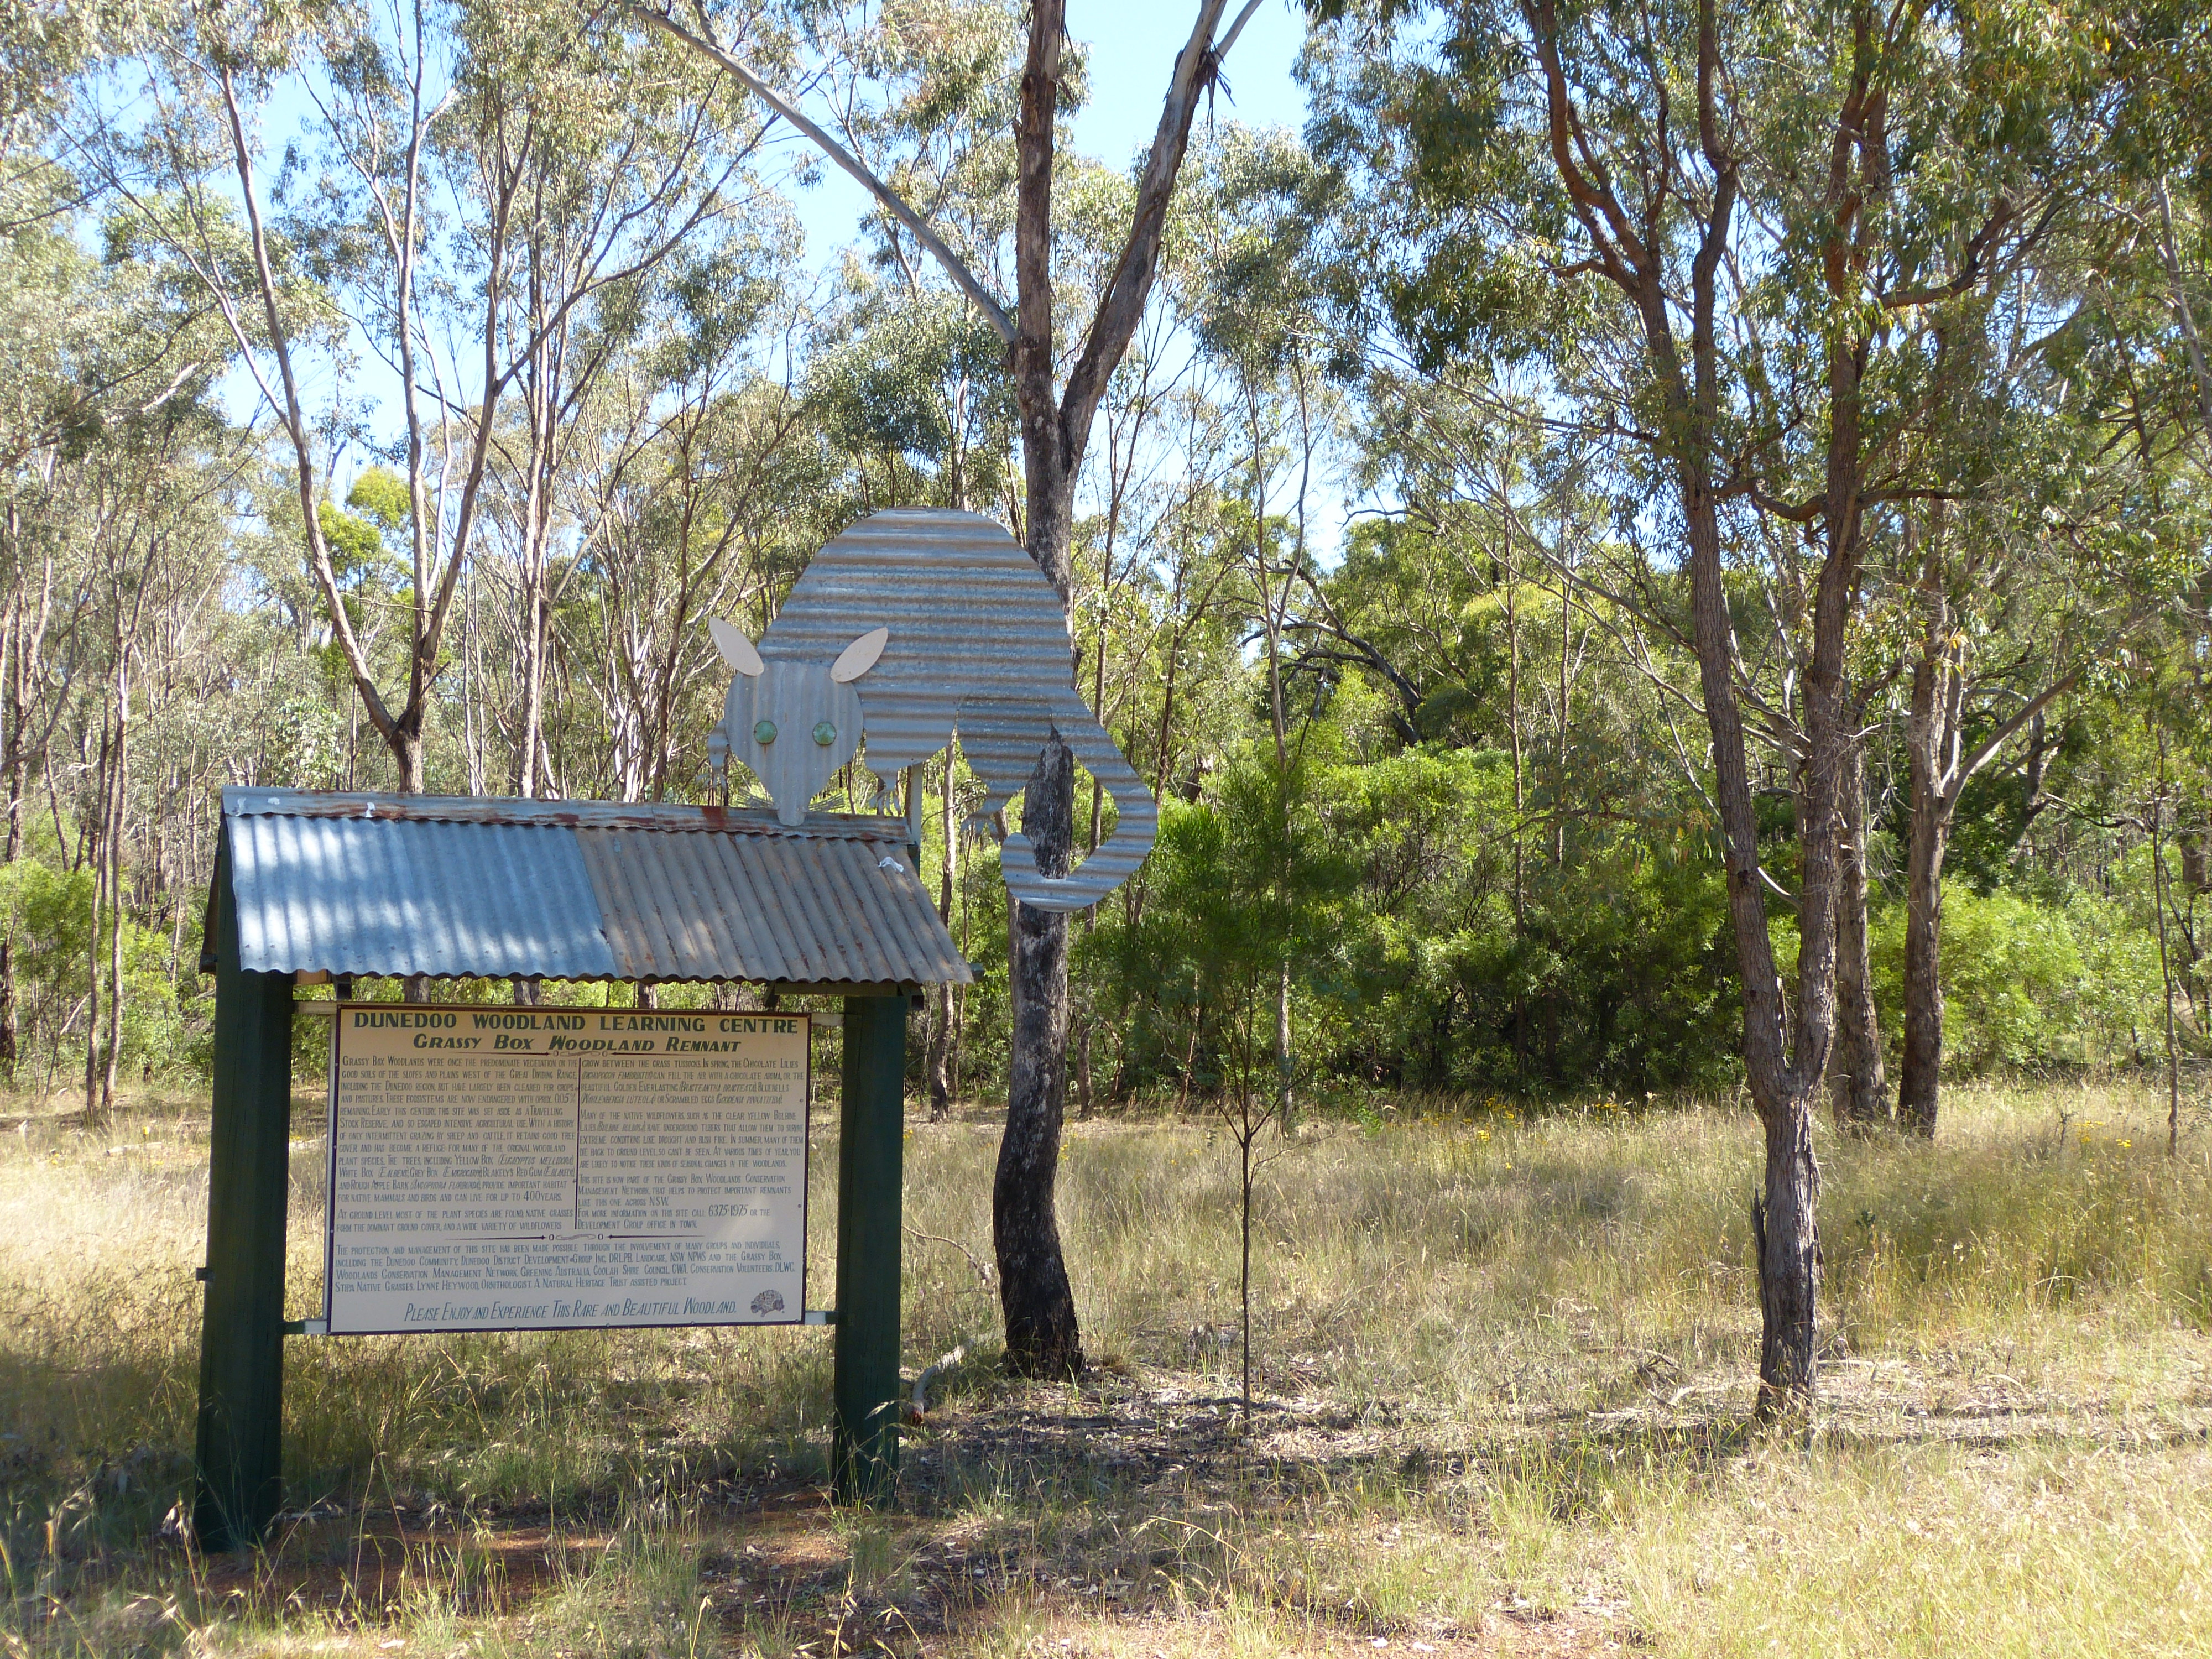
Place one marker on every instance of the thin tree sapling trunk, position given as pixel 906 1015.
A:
pixel 2160 889
pixel 1857 1092
pixel 96 856
pixel 1244 1251
pixel 1084 1102
pixel 940 1059
pixel 14 675
pixel 117 796
pixel 1932 739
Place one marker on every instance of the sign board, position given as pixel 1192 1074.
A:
pixel 554 1168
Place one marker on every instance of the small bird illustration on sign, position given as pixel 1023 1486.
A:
pixel 912 624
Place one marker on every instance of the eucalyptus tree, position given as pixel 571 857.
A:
pixel 442 214
pixel 912 385
pixel 1056 406
pixel 705 482
pixel 2011 605
pixel 1732 244
pixel 589 155
pixel 2154 174
pixel 1251 288
pixel 103 375
pixel 156 494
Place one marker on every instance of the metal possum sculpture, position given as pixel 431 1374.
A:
pixel 912 624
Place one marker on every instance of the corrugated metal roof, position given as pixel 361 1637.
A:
pixel 469 887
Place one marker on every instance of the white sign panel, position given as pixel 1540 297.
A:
pixel 536 1168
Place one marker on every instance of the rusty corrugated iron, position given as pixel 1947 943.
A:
pixel 469 887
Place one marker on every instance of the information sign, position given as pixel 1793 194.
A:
pixel 540 1169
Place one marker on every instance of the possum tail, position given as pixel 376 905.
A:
pixel 1118 856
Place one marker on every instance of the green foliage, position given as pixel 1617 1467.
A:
pixel 1617 972
pixel 45 910
pixel 1395 906
pixel 380 496
pixel 2030 985
pixel 49 919
pixel 1484 845
pixel 922 386
pixel 1239 885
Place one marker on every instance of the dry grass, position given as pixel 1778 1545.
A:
pixel 1505 1366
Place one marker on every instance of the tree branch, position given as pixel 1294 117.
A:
pixel 1195 68
pixel 955 267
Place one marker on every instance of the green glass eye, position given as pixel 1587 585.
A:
pixel 824 733
pixel 764 731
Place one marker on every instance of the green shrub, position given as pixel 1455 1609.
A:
pixel 2027 984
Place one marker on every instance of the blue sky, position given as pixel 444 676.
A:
pixel 1132 45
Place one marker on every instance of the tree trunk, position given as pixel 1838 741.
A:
pixel 2196 860
pixel 533 717
pixel 1783 1217
pixel 406 746
pixel 1042 1337
pixel 2161 892
pixel 117 796
pixel 1286 1102
pixel 17 760
pixel 1857 1092
pixel 938 1062
pixel 1084 1102
pixel 1786 1232
pixel 1244 1249
pixel 1921 1068
pixel 95 853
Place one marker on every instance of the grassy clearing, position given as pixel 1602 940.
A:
pixel 1506 1367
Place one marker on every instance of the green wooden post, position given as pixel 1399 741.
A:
pixel 870 1170
pixel 242 1336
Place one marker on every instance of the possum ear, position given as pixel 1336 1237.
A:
pixel 858 657
pixel 737 650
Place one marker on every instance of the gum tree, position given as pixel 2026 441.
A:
pixel 1057 398
pixel 456 208
pixel 1731 247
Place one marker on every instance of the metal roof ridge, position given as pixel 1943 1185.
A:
pixel 243 800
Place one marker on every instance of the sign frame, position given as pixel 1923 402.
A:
pixel 794 1311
